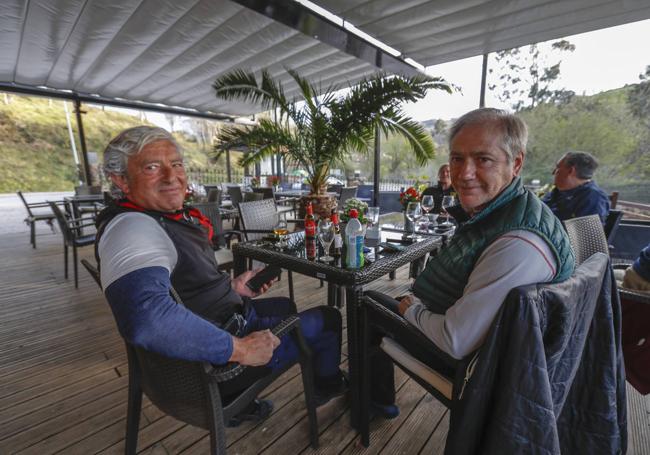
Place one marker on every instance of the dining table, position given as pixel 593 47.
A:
pixel 291 254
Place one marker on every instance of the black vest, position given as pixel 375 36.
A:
pixel 205 290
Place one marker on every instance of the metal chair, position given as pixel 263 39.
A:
pixel 448 385
pixel 72 237
pixel 347 192
pixel 214 195
pixel 587 237
pixel 258 218
pixel 221 238
pixel 252 196
pixel 189 391
pixel 611 224
pixel 32 217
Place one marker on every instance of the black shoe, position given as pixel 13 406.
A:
pixel 324 393
pixel 256 411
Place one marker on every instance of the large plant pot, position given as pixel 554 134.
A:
pixel 322 204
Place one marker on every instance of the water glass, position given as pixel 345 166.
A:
pixel 413 213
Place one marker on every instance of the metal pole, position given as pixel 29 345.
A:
pixel 82 140
pixel 72 142
pixel 375 185
pixel 228 170
pixel 481 102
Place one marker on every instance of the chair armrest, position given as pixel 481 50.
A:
pixel 393 324
pixel 231 370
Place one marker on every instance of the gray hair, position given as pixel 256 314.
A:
pixel 514 132
pixel 584 162
pixel 128 143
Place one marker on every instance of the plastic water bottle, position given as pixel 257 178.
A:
pixel 354 242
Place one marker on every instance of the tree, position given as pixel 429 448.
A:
pixel 639 97
pixel 527 79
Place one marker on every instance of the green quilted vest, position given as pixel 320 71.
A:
pixel 442 282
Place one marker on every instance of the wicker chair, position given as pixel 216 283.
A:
pixel 258 218
pixel 447 387
pixel 32 217
pixel 189 391
pixel 72 237
pixel 587 237
pixel 221 238
pixel 347 192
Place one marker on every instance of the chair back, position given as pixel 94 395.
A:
pixel 235 194
pixel 267 193
pixel 587 237
pixel 347 192
pixel 611 224
pixel 85 190
pixel 257 215
pixel 388 201
pixel 214 195
pixel 334 189
pixel 365 191
pixel 22 198
pixel 67 232
pixel 211 210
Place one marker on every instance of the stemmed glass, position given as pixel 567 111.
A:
pixel 427 205
pixel 326 237
pixel 413 213
pixel 280 230
pixel 448 201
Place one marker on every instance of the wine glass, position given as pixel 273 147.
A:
pixel 326 237
pixel 448 201
pixel 413 213
pixel 427 205
pixel 280 230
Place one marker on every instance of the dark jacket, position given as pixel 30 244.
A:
pixel 549 377
pixel 586 199
pixel 438 193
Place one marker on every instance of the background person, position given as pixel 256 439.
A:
pixel 443 188
pixel 148 242
pixel 575 193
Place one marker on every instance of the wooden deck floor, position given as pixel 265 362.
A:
pixel 63 378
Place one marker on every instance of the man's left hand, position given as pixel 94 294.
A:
pixel 239 284
pixel 404 304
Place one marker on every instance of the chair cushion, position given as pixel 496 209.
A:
pixel 402 357
pixel 223 256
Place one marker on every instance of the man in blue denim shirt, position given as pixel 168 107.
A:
pixel 575 193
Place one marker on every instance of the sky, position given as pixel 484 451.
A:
pixel 603 60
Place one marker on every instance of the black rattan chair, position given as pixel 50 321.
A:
pixel 448 386
pixel 587 237
pixel 347 192
pixel 72 237
pixel 189 391
pixel 221 238
pixel 33 217
pixel 258 218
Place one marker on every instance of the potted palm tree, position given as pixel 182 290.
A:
pixel 317 128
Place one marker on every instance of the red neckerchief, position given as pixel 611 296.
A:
pixel 179 215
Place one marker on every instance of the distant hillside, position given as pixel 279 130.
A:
pixel 35 150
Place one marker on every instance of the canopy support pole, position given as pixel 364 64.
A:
pixel 375 176
pixel 481 102
pixel 228 170
pixel 82 141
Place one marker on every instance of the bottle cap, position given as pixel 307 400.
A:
pixel 353 213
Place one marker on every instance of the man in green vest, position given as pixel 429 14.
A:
pixel 506 238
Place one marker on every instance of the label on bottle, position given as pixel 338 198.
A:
pixel 310 246
pixel 351 261
pixel 338 240
pixel 310 229
pixel 359 251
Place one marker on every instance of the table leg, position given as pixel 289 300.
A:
pixel 353 297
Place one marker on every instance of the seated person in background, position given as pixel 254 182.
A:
pixel 506 238
pixel 575 193
pixel 148 242
pixel 443 188
pixel 637 276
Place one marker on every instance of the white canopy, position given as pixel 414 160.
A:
pixel 170 52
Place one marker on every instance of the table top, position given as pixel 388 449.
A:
pixel 378 261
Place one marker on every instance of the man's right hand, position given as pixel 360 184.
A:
pixel 254 349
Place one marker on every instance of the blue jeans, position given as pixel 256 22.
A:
pixel 321 327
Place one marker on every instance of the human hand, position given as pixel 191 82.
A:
pixel 255 348
pixel 404 304
pixel 239 284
